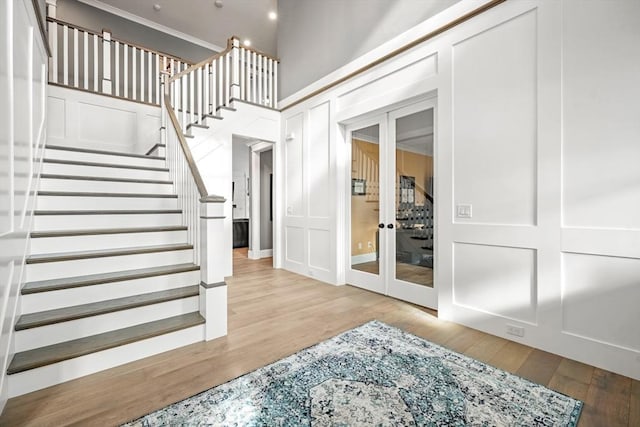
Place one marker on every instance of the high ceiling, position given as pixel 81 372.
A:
pixel 201 19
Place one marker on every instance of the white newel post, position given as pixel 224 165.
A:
pixel 213 289
pixel 53 44
pixel 235 69
pixel 106 61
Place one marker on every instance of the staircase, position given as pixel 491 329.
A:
pixel 110 277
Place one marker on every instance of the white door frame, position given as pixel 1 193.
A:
pixel 254 224
pixel 381 283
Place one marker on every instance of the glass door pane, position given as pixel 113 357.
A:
pixel 414 203
pixel 365 199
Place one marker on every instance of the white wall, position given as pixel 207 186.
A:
pixel 22 134
pixel 317 37
pixel 83 119
pixel 537 124
pixel 212 151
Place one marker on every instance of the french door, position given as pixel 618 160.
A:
pixel 391 227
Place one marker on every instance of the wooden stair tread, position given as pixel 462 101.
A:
pixel 69 256
pixel 97 231
pixel 103 178
pixel 104 165
pixel 49 317
pixel 100 194
pixel 98 279
pixel 109 212
pixel 47 355
pixel 94 151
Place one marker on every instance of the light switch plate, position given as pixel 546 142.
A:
pixel 463 211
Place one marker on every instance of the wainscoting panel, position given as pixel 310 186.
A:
pixel 99 115
pixel 318 176
pixel 495 123
pixel 600 146
pixel 597 288
pixel 320 250
pixel 293 143
pixel 294 245
pixel 496 280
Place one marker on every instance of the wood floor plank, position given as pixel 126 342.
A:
pixel 275 313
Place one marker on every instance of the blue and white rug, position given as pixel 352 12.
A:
pixel 373 375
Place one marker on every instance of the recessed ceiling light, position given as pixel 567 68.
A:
pixel 273 16
pixel 157 7
pixel 247 42
pixel 218 3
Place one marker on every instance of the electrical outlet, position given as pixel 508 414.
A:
pixel 518 331
pixel 359 245
pixel 463 211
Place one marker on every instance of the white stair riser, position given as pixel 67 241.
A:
pixel 66 331
pixel 42 301
pixel 83 203
pixel 50 245
pixel 36 379
pixel 69 222
pixel 103 158
pixel 83 170
pixel 53 184
pixel 81 267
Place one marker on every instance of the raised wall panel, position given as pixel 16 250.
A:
pixel 294 244
pixel 98 124
pixel 320 249
pixel 495 279
pixel 22 45
pixel 318 170
pixel 56 114
pixel 294 166
pixel 495 123
pixel 600 296
pixel 601 113
pixel 408 75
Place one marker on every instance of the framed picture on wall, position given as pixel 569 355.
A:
pixel 358 187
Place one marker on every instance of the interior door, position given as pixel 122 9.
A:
pixel 366 266
pixel 410 204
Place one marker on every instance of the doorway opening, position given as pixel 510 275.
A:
pixel 391 204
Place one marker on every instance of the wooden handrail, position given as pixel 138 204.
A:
pixel 114 39
pixel 228 49
pixel 398 51
pixel 202 189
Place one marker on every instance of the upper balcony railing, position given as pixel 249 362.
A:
pixel 98 62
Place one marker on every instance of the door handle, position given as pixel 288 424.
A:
pixel 389 225
pixel 381 225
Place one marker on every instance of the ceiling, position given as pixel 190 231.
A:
pixel 201 19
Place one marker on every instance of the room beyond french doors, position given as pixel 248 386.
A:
pixel 391 204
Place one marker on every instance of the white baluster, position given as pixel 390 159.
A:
pixel 134 75
pixel 243 65
pixel 159 76
pixel 150 77
pixel 207 79
pixel 192 84
pixel 227 78
pixel 53 34
pixel 85 46
pixel 117 66
pixel 184 103
pixel 275 84
pixel 260 77
pixel 217 69
pixel 125 70
pixel 76 78
pixel 95 62
pixel 142 75
pixel 270 83
pixel 65 55
pixel 254 83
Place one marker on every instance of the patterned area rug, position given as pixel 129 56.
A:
pixel 374 375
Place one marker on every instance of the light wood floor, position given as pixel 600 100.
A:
pixel 274 313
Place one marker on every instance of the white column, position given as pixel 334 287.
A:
pixel 106 61
pixel 213 289
pixel 235 69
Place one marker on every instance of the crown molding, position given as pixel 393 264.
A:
pixel 148 23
